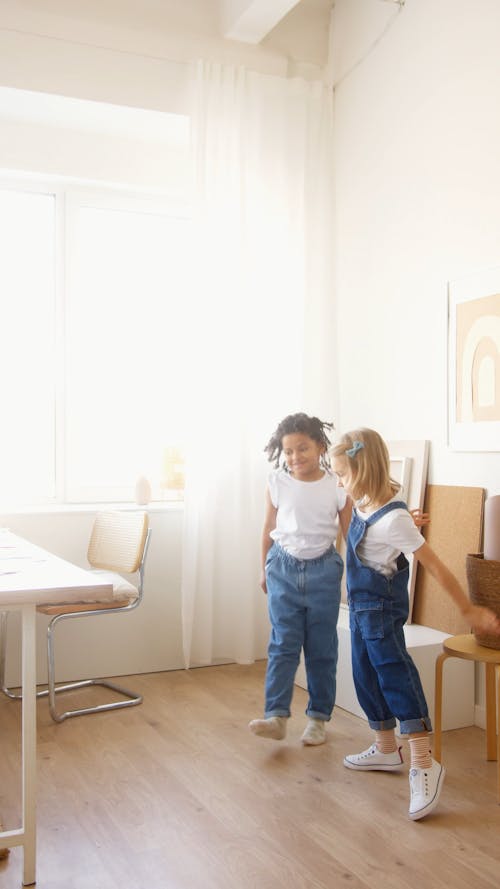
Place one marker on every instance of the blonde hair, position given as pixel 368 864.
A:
pixel 368 463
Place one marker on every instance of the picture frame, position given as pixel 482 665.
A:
pixel 474 362
pixel 409 463
pixel 400 470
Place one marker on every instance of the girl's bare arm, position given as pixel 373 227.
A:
pixel 345 517
pixel 267 541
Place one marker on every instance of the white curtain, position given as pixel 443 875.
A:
pixel 261 332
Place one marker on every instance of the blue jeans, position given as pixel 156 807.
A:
pixel 303 601
pixel 386 679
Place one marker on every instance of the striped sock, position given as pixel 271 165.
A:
pixel 420 753
pixel 386 741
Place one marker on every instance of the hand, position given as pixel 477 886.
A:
pixel 420 518
pixel 263 584
pixel 482 620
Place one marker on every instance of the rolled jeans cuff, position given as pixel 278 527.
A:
pixel 315 714
pixel 270 713
pixel 413 726
pixel 382 725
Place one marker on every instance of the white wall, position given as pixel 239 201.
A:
pixel 418 198
pixel 418 205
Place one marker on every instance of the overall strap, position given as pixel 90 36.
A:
pixel 358 527
pixel 362 578
pixel 389 507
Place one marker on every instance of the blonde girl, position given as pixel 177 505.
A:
pixel 387 682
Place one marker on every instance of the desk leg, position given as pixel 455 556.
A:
pixel 438 705
pixel 29 743
pixel 491 719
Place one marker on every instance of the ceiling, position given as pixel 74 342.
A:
pixel 251 20
pixel 298 30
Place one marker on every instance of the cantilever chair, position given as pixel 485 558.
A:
pixel 118 545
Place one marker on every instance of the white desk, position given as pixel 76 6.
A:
pixel 30 576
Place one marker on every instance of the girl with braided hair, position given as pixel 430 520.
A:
pixel 301 574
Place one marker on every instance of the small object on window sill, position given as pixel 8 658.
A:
pixel 142 491
pixel 172 482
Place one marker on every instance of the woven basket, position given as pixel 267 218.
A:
pixel 483 578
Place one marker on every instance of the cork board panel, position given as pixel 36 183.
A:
pixel 455 529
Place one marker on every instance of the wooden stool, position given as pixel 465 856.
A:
pixel 467 648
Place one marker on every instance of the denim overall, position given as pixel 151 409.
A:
pixel 387 682
pixel 303 597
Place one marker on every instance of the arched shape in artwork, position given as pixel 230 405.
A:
pixel 478 390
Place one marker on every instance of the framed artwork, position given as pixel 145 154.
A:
pixel 474 362
pixel 400 469
pixel 409 462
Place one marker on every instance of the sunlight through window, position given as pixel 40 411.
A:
pixel 27 287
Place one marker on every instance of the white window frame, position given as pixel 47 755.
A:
pixel 70 194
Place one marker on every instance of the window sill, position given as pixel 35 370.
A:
pixel 57 508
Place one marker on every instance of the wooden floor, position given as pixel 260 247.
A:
pixel 177 794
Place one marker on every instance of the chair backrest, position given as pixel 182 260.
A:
pixel 117 541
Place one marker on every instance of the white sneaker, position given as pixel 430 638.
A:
pixel 425 788
pixel 274 727
pixel 374 759
pixel 314 733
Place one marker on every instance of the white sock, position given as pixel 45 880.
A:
pixel 273 727
pixel 314 732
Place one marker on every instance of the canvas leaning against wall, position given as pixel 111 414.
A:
pixel 474 362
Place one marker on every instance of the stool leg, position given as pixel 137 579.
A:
pixel 491 721
pixel 438 705
pixel 497 671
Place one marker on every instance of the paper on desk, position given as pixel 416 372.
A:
pixel 14 564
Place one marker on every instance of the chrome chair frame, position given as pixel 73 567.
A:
pixel 131 698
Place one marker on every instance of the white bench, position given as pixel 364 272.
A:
pixel 424 645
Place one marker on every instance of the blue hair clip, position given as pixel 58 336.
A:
pixel 356 446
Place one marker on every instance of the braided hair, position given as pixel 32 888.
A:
pixel 299 423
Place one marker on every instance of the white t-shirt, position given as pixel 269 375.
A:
pixel 307 518
pixel 391 535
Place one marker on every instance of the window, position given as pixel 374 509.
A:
pixel 95 296
pixel 27 356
